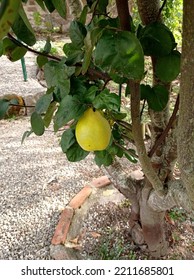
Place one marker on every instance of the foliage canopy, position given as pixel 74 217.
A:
pixel 99 52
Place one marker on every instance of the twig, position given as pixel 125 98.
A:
pixel 94 73
pixel 125 150
pixel 23 106
pixel 124 124
pixel 142 109
pixel 20 44
pixel 161 9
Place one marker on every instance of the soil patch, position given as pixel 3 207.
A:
pixel 106 235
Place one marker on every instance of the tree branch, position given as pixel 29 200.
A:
pixel 123 14
pixel 124 17
pixel 20 44
pixel 166 130
pixel 138 138
pixel 92 72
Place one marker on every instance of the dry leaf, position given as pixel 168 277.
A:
pixel 75 240
pixel 95 234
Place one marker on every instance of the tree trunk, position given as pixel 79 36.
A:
pixel 186 112
pixel 152 222
pixel 142 215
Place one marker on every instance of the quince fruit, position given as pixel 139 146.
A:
pixel 93 131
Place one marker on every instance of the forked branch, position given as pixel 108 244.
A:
pixel 124 17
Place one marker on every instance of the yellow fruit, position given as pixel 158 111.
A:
pixel 93 131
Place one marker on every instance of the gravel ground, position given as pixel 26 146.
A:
pixel 36 182
pixel 106 234
pixel 12 80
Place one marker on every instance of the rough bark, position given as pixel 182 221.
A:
pixel 186 112
pixel 177 196
pixel 138 138
pixel 130 184
pixel 148 10
pixel 152 221
pixel 149 226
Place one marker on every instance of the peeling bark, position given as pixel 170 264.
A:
pixel 177 196
pixel 152 223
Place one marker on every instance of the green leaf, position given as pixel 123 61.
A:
pixel 98 6
pixel 47 47
pixel 158 99
pixel 110 22
pixel 90 40
pixel 77 33
pixel 88 53
pixel 118 79
pixel 90 94
pixel 67 140
pixel 4 105
pixel 78 87
pixel 103 158
pixel 157 39
pixel 56 95
pixel 49 113
pixel 37 124
pixel 95 34
pixel 127 90
pixel 13 51
pixel 49 5
pixel 107 100
pixel 41 60
pixel 76 153
pixel 8 12
pixel 168 67
pixel 118 115
pixel 70 108
pixel 130 157
pixel 116 133
pixel 60 6
pixel 41 4
pixel 90 3
pixel 43 102
pixel 145 90
pixel 83 15
pixel 101 6
pixel 23 29
pixel 73 53
pixel 25 135
pixel 57 75
pixel 120 52
pixel 1 48
pixel 115 150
